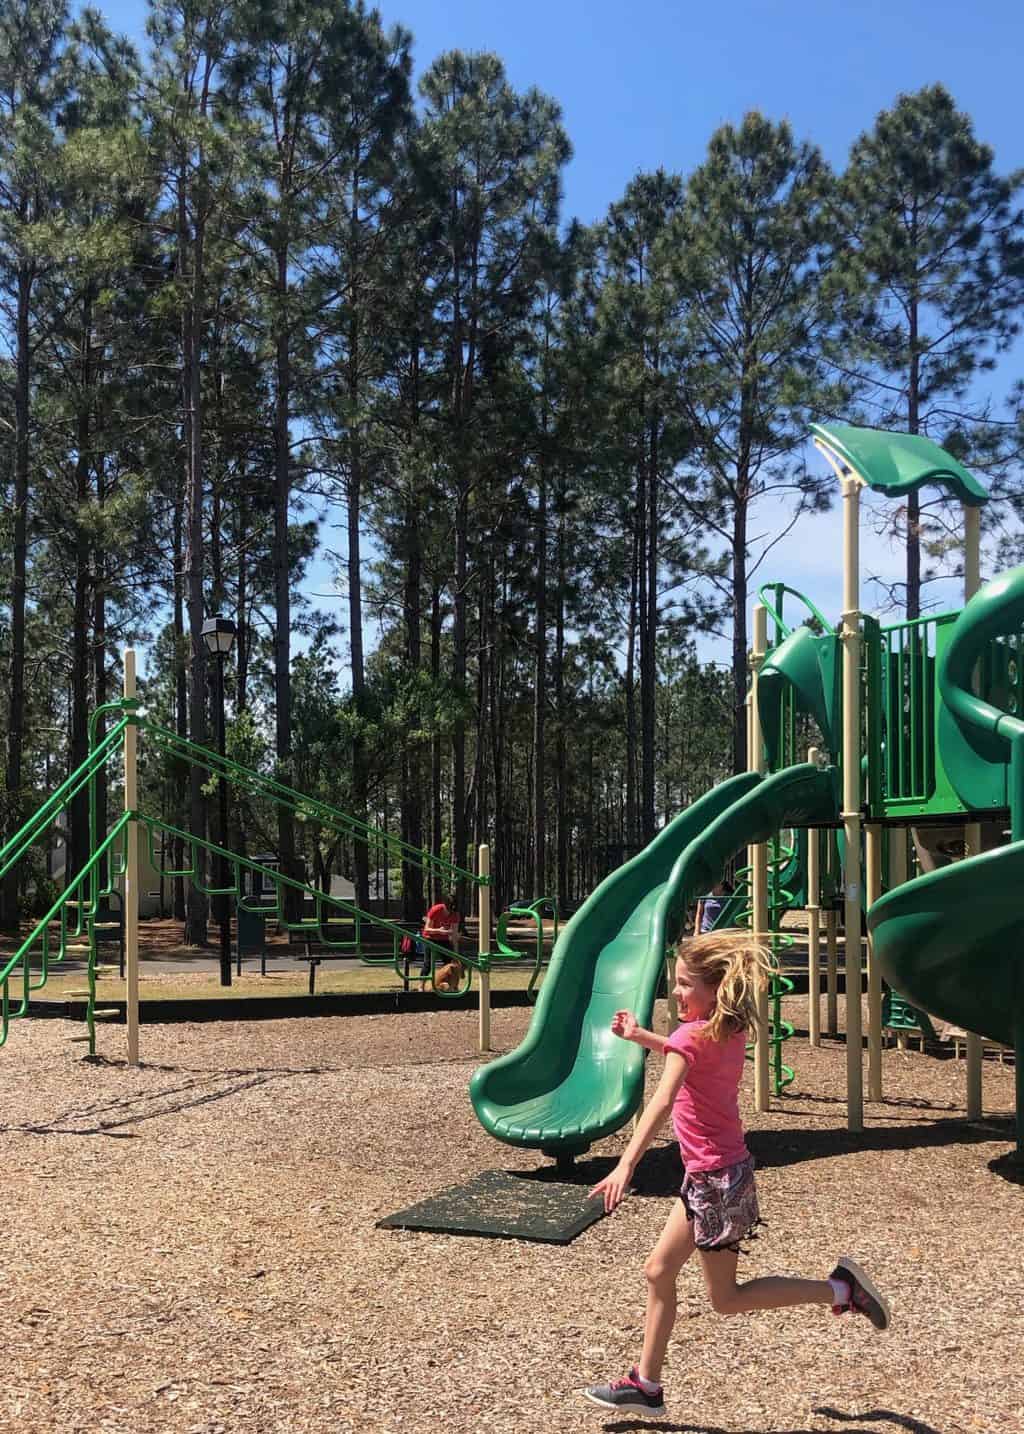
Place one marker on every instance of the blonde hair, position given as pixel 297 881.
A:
pixel 738 967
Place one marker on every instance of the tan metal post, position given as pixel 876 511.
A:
pixel 813 929
pixel 758 860
pixel 670 1002
pixel 972 833
pixel 131 871
pixel 851 801
pixel 873 890
pixel 484 946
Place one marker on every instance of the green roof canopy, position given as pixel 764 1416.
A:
pixel 899 463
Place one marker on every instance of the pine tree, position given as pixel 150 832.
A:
pixel 750 246
pixel 33 85
pixel 931 275
pixel 491 159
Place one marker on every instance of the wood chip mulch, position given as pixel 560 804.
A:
pixel 190 1248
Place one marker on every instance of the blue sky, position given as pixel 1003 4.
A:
pixel 645 85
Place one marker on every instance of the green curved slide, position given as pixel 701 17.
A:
pixel 950 941
pixel 571 1082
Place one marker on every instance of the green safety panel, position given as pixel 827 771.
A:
pixel 571 1082
pixel 950 942
pixel 810 665
pixel 899 463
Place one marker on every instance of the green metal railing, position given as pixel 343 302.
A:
pixel 74 913
pixel 531 912
pixel 792 743
pixel 328 910
pixel 772 597
pixel 255 784
pixel 908 700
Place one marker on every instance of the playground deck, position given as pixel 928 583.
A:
pixel 190 1248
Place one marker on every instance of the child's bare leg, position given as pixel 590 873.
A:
pixel 771 1292
pixel 661 1270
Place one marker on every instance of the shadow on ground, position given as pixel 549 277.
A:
pixel 660 1172
pixel 191 1089
pixel 871 1421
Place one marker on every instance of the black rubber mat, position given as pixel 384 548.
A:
pixel 504 1206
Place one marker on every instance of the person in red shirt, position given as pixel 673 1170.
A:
pixel 441 926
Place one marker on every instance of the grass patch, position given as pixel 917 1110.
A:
pixel 205 985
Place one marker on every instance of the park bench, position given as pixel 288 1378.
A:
pixel 336 941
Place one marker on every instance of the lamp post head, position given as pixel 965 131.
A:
pixel 219 635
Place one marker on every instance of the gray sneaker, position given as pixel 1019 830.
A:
pixel 625 1396
pixel 865 1297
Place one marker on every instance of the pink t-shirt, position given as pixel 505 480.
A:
pixel 706 1113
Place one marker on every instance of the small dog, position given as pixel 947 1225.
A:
pixel 449 976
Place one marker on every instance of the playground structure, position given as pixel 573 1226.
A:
pixel 74 923
pixel 902 727
pixel 914 725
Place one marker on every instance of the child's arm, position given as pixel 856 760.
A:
pixel 626 1025
pixel 614 1186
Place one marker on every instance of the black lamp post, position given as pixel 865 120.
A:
pixel 219 636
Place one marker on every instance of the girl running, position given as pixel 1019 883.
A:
pixel 717 977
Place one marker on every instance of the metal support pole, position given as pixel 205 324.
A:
pixel 972 834
pixel 1018 1077
pixel 851 802
pixel 484 947
pixel 222 803
pixel 670 988
pixel 131 870
pixel 873 890
pixel 813 929
pixel 832 972
pixel 758 859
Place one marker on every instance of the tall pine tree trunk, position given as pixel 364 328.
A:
pixel 459 669
pixel 197 905
pixel 180 693
pixel 19 572
pixel 739 635
pixel 101 682
pixel 78 848
pixel 914 499
pixel 436 755
pixel 540 682
pixel 242 602
pixel 561 754
pixel 412 797
pixel 632 825
pixel 282 576
pixel 648 646
pixel 355 624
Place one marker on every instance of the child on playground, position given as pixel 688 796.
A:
pixel 717 978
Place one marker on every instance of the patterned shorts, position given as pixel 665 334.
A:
pixel 722 1205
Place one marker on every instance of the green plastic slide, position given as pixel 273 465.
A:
pixel 571 1081
pixel 950 941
